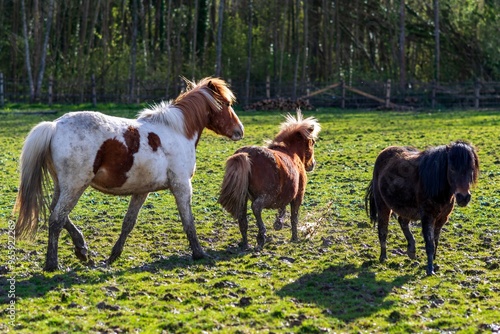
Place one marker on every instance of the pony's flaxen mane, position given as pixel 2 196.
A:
pixel 194 104
pixel 309 127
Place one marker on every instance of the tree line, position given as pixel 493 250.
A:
pixel 249 41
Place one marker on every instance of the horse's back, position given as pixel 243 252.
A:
pixel 274 176
pixel 395 179
pixel 118 155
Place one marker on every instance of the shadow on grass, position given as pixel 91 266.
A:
pixel 41 283
pixel 345 292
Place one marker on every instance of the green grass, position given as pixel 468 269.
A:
pixel 330 280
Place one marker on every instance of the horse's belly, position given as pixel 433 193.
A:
pixel 139 179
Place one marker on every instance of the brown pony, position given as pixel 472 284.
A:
pixel 422 186
pixel 271 177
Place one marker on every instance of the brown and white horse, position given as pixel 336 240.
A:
pixel 119 156
pixel 420 185
pixel 271 177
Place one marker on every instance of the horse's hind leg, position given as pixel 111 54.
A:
pixel 243 225
pixel 382 226
pixel 404 223
pixel 294 218
pixel 278 222
pixel 128 224
pixel 257 211
pixel 65 202
pixel 81 249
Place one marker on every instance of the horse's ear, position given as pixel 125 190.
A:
pixel 212 86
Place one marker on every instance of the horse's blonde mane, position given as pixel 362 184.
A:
pixel 188 113
pixel 308 127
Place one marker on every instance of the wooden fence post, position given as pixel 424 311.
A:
pixel 477 89
pixel 433 95
pixel 51 87
pixel 268 87
pixel 342 97
pixel 94 95
pixel 2 101
pixel 388 94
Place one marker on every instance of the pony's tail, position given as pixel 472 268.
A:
pixel 35 165
pixel 234 189
pixel 370 207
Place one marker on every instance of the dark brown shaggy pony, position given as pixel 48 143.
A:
pixel 422 186
pixel 271 177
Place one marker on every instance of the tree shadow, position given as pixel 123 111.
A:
pixel 345 292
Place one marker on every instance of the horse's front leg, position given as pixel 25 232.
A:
pixel 428 232
pixel 278 222
pixel 128 224
pixel 182 192
pixel 294 218
pixel 437 232
pixel 404 223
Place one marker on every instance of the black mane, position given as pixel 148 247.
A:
pixel 433 169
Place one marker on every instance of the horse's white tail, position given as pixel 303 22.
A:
pixel 36 162
pixel 234 189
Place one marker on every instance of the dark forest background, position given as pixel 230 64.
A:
pixel 289 43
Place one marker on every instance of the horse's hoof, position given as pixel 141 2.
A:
pixel 200 255
pixel 412 255
pixel 261 240
pixel 243 246
pixel 278 226
pixel 430 273
pixel 50 267
pixel 81 254
pixel 382 259
pixel 294 239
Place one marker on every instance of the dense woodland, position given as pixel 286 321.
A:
pixel 248 41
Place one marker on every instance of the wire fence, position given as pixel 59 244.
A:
pixel 355 95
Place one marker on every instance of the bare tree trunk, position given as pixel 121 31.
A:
pixel 218 49
pixel 402 45
pixel 169 50
pixel 38 88
pixel 295 39
pixel 249 57
pixel 338 55
pixel 133 51
pixel 195 37
pixel 436 36
pixel 27 52
pixel 306 44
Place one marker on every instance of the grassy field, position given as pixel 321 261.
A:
pixel 330 281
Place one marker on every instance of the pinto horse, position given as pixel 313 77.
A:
pixel 271 177
pixel 119 156
pixel 422 186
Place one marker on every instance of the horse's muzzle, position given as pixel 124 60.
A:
pixel 311 166
pixel 238 133
pixel 462 200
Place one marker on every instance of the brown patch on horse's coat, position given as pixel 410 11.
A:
pixel 113 160
pixel 154 141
